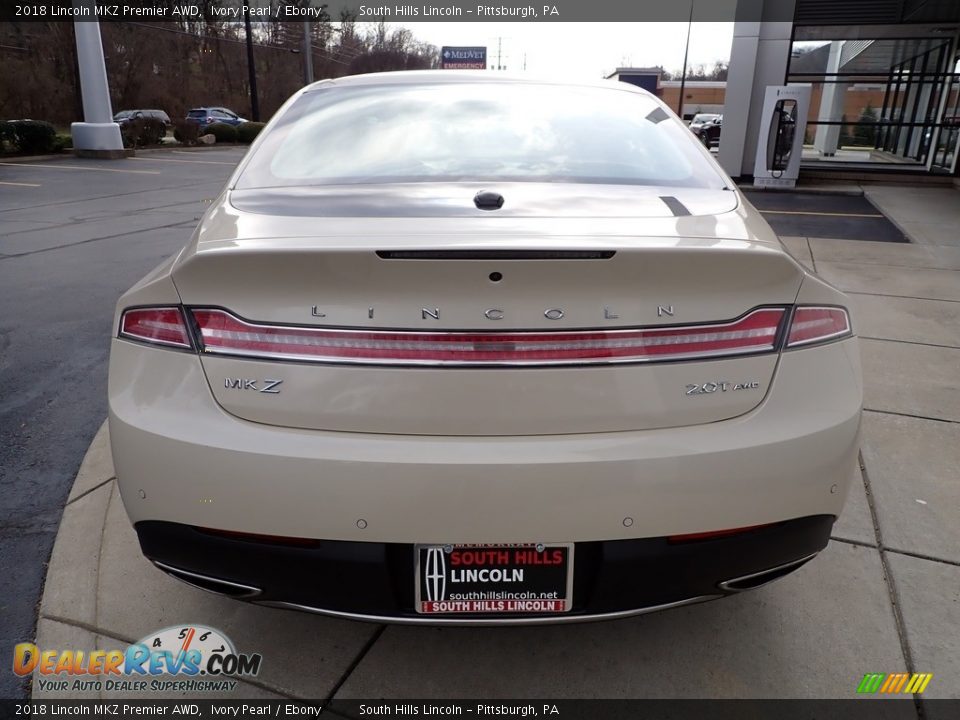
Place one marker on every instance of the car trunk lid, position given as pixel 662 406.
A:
pixel 483 283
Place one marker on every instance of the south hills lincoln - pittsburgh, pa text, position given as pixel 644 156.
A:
pixel 486 11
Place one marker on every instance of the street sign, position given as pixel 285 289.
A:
pixel 463 58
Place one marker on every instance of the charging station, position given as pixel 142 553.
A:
pixel 780 141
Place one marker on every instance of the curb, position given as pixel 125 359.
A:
pixel 70 586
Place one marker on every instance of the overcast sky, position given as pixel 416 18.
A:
pixel 584 50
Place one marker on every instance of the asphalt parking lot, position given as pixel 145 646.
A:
pixel 74 234
pixel 884 596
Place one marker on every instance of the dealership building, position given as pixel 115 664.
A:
pixel 884 80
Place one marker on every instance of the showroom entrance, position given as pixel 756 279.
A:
pixel 880 99
pixel 884 78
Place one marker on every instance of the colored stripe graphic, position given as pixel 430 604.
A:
pixel 918 683
pixel 907 683
pixel 871 682
pixel 894 682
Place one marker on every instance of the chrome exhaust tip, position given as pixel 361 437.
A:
pixel 764 577
pixel 213 585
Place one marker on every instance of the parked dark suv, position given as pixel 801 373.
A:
pixel 209 115
pixel 159 122
pixel 127 115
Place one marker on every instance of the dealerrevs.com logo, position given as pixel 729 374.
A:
pixel 190 658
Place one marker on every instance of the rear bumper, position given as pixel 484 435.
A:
pixel 375 581
pixel 180 458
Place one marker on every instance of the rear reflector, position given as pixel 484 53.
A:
pixel 817 324
pixel 162 326
pixel 263 539
pixel 714 534
pixel 224 333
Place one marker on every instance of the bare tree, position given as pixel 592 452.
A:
pixel 188 63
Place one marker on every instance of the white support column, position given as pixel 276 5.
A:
pixel 827 138
pixel 736 102
pixel 916 136
pixel 758 58
pixel 98 136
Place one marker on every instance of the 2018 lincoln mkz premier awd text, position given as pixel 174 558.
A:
pixel 455 347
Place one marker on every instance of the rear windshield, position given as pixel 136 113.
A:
pixel 480 131
pixel 197 113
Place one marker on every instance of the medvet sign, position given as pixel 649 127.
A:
pixel 463 58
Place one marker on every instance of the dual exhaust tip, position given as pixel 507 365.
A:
pixel 764 577
pixel 214 585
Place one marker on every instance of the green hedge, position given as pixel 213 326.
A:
pixel 222 132
pixel 32 137
pixel 8 137
pixel 246 132
pixel 186 132
pixel 142 131
pixel 62 142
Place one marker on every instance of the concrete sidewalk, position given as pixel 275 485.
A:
pixel 884 596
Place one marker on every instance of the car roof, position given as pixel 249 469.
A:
pixel 439 77
pixel 140 110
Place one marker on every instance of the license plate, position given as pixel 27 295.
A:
pixel 494 579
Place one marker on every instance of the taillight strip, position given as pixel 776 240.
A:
pixel 816 324
pixel 155 325
pixel 224 333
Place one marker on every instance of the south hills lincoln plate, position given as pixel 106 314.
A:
pixel 494 579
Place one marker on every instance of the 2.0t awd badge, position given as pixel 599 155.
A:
pixel 720 386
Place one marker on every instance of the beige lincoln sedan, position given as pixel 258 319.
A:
pixel 454 347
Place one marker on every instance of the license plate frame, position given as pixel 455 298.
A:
pixel 540 559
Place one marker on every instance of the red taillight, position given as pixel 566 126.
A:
pixel 263 539
pixel 224 333
pixel 714 534
pixel 816 324
pixel 159 325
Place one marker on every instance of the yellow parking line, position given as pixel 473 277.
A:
pixel 824 214
pixel 20 184
pixel 197 162
pixel 58 166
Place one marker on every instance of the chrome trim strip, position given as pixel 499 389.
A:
pixel 825 338
pixel 220 352
pixel 725 585
pixel 251 591
pixel 505 620
pixel 535 333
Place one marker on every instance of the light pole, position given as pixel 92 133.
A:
pixel 683 75
pixel 307 54
pixel 251 69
